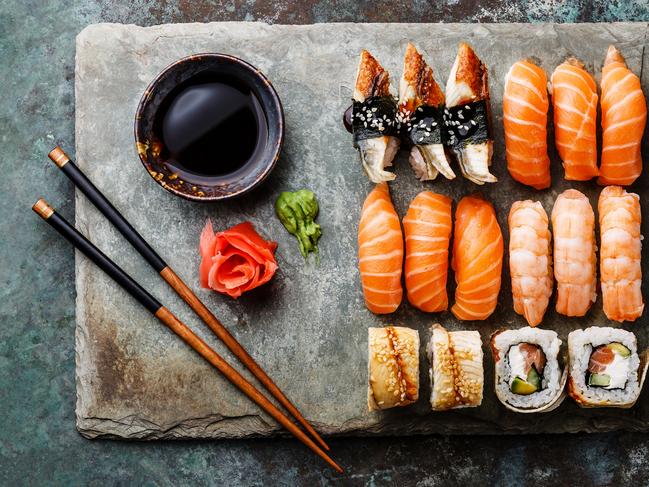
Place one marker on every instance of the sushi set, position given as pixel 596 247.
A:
pixel 477 260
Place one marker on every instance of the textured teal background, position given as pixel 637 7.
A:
pixel 38 441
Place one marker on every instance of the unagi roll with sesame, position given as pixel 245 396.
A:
pixel 467 116
pixel 374 124
pixel 421 117
pixel 393 367
pixel 456 368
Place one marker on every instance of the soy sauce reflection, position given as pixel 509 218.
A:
pixel 211 127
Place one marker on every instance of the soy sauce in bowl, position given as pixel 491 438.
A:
pixel 209 127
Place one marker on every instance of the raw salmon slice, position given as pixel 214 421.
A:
pixel 533 356
pixel 621 245
pixel 427 227
pixel 477 259
pixel 600 358
pixel 380 252
pixel 574 100
pixel 573 227
pixel 624 116
pixel 525 115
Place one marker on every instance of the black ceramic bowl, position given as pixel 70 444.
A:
pixel 155 156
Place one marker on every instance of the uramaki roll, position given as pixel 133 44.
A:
pixel 456 369
pixel 605 368
pixel 528 376
pixel 393 367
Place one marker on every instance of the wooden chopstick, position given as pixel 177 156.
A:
pixel 72 171
pixel 45 211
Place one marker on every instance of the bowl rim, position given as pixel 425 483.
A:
pixel 255 72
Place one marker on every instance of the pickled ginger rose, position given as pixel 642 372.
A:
pixel 236 260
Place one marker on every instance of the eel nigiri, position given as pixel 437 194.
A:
pixel 624 115
pixel 530 260
pixel 573 228
pixel 427 228
pixel 620 268
pixel 374 124
pixel 380 251
pixel 421 113
pixel 574 101
pixel 477 259
pixel 468 131
pixel 525 115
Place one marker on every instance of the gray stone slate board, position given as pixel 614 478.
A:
pixel 308 327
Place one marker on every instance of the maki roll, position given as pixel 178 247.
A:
pixel 374 124
pixel 393 367
pixel 528 374
pixel 605 368
pixel 467 116
pixel 421 116
pixel 456 370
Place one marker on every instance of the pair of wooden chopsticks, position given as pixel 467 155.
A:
pixel 43 209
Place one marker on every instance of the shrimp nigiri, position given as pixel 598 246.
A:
pixel 621 273
pixel 574 100
pixel 374 124
pixel 573 228
pixel 427 228
pixel 468 113
pixel 380 251
pixel 624 115
pixel 525 116
pixel 421 107
pixel 530 260
pixel 477 259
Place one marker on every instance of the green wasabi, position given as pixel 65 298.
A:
pixel 297 212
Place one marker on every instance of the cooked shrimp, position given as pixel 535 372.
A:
pixel 530 260
pixel 621 273
pixel 573 226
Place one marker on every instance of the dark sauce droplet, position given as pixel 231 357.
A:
pixel 210 127
pixel 347 119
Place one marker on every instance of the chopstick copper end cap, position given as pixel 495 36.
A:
pixel 59 157
pixel 43 209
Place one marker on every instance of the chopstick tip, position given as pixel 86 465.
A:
pixel 58 157
pixel 43 209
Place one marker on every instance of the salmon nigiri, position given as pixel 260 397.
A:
pixel 621 272
pixel 573 226
pixel 530 260
pixel 624 115
pixel 574 100
pixel 525 115
pixel 380 252
pixel 427 228
pixel 477 259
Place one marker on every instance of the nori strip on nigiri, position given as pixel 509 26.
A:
pixel 374 117
pixel 466 124
pixel 425 126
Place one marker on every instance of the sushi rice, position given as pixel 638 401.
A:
pixel 551 383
